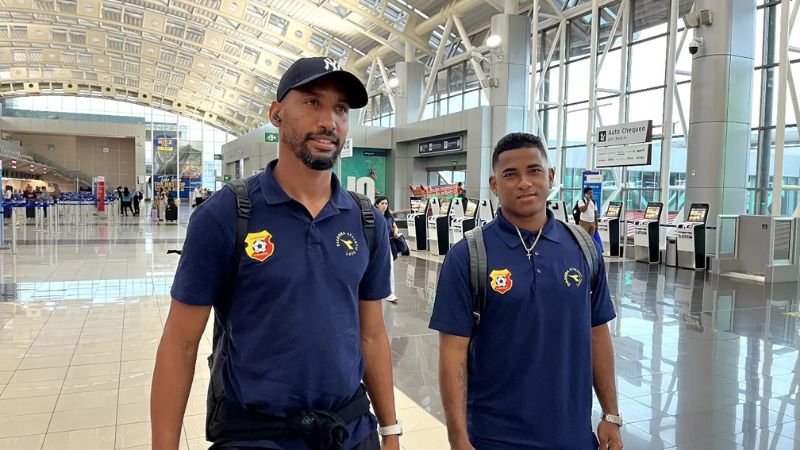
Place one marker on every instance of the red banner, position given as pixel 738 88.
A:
pixel 101 195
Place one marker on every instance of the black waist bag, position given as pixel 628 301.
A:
pixel 319 429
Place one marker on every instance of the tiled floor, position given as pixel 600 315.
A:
pixel 702 363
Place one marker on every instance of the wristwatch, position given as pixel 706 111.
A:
pixel 392 430
pixel 616 420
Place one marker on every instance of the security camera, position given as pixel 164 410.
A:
pixel 695 45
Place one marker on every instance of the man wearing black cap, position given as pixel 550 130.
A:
pixel 303 319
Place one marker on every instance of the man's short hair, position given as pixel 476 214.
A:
pixel 513 141
pixel 586 189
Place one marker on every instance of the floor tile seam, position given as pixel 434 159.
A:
pixel 26 351
pixel 61 389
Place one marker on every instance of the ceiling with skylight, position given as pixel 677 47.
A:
pixel 214 60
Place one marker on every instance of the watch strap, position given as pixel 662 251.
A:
pixel 616 420
pixel 392 430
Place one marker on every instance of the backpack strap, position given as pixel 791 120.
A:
pixel 243 208
pixel 367 219
pixel 589 250
pixel 478 265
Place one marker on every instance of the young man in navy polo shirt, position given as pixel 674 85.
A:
pixel 304 325
pixel 542 340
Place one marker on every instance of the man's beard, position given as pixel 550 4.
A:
pixel 317 162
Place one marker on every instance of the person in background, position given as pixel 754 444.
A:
pixel 160 205
pixel 44 196
pixel 126 201
pixel 137 197
pixel 30 197
pixel 118 193
pixel 198 195
pixel 383 206
pixel 588 210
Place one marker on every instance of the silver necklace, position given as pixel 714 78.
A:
pixel 528 250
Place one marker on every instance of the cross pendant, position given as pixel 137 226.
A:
pixel 529 256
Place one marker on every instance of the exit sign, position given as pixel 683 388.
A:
pixel 226 178
pixel 271 137
pixel 217 157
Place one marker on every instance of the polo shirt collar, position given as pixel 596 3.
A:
pixel 275 195
pixel 508 233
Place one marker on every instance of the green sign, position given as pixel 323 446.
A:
pixel 270 137
pixel 217 157
pixel 226 178
pixel 454 161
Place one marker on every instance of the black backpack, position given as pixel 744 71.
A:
pixel 479 270
pixel 576 212
pixel 216 391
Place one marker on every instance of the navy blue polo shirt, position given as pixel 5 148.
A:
pixel 295 335
pixel 531 387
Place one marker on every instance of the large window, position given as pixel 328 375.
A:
pixel 190 132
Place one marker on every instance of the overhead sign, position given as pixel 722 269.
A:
pixel 271 137
pixel 450 144
pixel 217 157
pixel 226 178
pixel 381 153
pixel 630 155
pixel 625 134
pixel 347 149
pixel 165 143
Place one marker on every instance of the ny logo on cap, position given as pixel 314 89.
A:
pixel 330 64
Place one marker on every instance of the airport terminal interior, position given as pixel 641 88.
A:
pixel 682 116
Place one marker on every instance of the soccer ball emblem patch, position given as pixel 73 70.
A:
pixel 501 281
pixel 259 245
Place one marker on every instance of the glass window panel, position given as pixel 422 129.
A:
pixel 648 64
pixel 578 81
pixel 471 99
pixel 684 91
pixel 579 35
pixel 608 111
pixel 648 20
pixel 647 105
pixel 455 104
pixel 575 164
pixel 457 78
pixel 609 75
pixel 551 83
pixel 577 125
pixel 441 84
pixel 471 79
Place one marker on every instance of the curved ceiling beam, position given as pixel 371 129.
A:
pixel 148 66
pixel 414 39
pixel 196 94
pixel 212 43
pixel 90 90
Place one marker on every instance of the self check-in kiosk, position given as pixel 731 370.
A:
pixel 439 226
pixel 608 227
pixel 418 223
pixel 463 224
pixel 646 234
pixel 559 209
pixel 692 238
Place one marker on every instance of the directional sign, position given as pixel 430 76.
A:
pixel 217 157
pixel 226 178
pixel 347 150
pixel 271 137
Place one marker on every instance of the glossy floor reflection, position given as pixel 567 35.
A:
pixel 702 363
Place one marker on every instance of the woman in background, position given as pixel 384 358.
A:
pixel 382 203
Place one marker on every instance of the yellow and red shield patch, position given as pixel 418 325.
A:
pixel 501 281
pixel 259 245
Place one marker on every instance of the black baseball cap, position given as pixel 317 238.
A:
pixel 306 70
